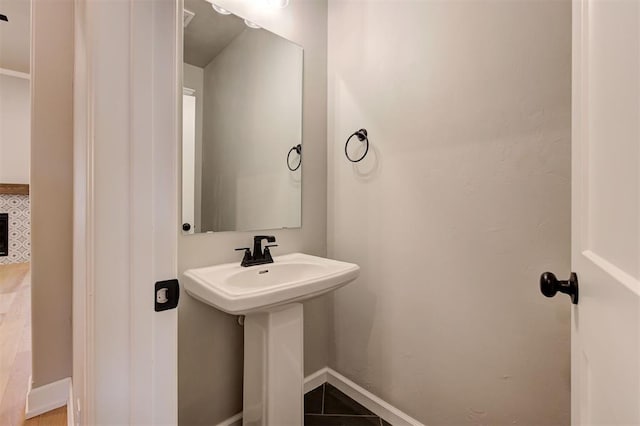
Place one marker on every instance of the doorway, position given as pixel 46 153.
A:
pixel 15 214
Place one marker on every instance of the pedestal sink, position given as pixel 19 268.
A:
pixel 269 296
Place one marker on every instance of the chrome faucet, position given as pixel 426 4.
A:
pixel 259 257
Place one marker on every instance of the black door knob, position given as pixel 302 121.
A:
pixel 550 285
pixel 186 227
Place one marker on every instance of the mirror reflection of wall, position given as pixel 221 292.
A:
pixel 242 114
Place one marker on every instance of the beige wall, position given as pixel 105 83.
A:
pixel 51 189
pixel 210 342
pixel 15 128
pixel 463 201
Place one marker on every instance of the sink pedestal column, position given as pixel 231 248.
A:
pixel 273 367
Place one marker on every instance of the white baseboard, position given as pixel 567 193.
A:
pixel 12 73
pixel 232 421
pixel 359 394
pixel 316 379
pixel 46 398
pixel 373 403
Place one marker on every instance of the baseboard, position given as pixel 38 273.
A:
pixel 316 379
pixel 46 398
pixel 232 421
pixel 352 390
pixel 375 404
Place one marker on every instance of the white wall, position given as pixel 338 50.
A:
pixel 463 201
pixel 253 93
pixel 211 342
pixel 194 79
pixel 15 129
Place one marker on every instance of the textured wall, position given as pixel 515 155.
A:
pixel 462 202
pixel 17 207
pixel 211 342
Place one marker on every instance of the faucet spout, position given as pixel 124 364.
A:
pixel 258 254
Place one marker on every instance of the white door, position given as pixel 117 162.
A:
pixel 125 211
pixel 605 350
pixel 188 160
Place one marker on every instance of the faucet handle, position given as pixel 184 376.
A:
pixel 247 252
pixel 247 256
pixel 267 252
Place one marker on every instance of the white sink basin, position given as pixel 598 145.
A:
pixel 291 278
pixel 273 329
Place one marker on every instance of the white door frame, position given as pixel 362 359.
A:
pixel 189 112
pixel 125 211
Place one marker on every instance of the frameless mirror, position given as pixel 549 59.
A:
pixel 242 124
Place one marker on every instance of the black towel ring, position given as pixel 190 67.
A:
pixel 362 137
pixel 298 150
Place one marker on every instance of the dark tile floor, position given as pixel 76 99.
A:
pixel 327 406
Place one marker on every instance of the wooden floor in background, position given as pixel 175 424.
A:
pixel 56 417
pixel 15 349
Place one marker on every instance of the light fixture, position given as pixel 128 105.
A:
pixel 250 24
pixel 278 3
pixel 220 10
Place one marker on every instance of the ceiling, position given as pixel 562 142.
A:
pixel 15 35
pixel 208 32
pixel 206 35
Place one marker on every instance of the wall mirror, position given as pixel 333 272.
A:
pixel 242 124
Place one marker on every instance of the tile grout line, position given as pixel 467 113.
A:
pixel 371 416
